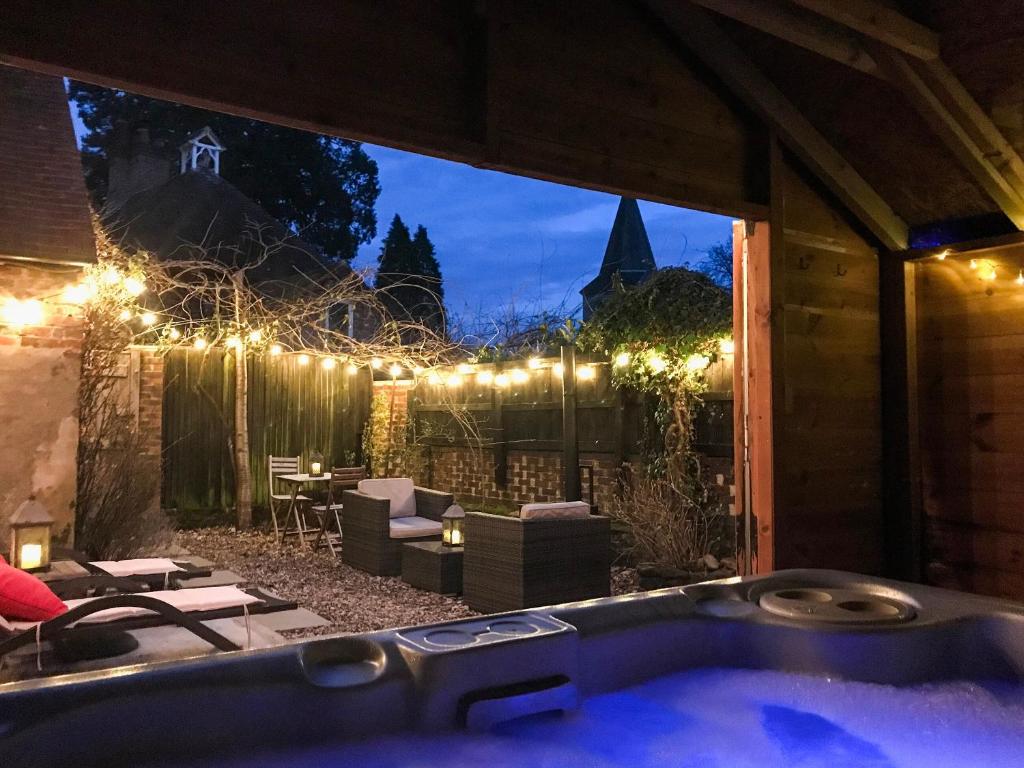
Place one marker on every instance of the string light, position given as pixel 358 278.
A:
pixel 77 294
pixel 148 318
pixel 454 380
pixel 941 255
pixel 558 369
pixel 233 342
pixel 276 349
pixel 133 286
pixel 1020 277
pixel 974 264
pixel 352 369
pixel 376 363
pixel 656 362
pixel 519 376
pixel 988 272
pixel 395 371
pixel 501 380
pixel 533 363
pixel 303 359
pixel 328 363
pixel 199 342
pixel 256 336
pixel 434 378
pixel 110 276
pixel 464 369
pixel 622 360
pixel 26 312
pixel 697 363
pixel 417 370
pixel 174 334
pixel 485 377
pixel 585 373
pixel 124 315
pixel 727 346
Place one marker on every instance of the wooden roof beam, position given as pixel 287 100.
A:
pixel 879 22
pixel 803 29
pixel 937 95
pixel 699 33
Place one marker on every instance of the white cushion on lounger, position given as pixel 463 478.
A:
pixel 555 510
pixel 399 490
pixel 143 566
pixel 185 600
pixel 412 527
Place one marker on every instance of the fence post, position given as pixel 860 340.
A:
pixel 570 436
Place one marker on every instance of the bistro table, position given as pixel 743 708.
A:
pixel 296 482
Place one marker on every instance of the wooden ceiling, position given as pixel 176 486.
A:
pixel 911 113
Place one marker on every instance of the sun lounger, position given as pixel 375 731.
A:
pixel 187 608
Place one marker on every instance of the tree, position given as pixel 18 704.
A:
pixel 410 277
pixel 321 187
pixel 717 263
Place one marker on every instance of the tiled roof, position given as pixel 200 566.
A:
pixel 44 206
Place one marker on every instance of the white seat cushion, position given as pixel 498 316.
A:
pixel 143 566
pixel 555 510
pixel 399 490
pixel 287 496
pixel 413 527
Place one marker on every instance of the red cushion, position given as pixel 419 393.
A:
pixel 24 597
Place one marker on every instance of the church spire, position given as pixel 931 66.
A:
pixel 628 255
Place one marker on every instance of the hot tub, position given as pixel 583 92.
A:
pixel 799 668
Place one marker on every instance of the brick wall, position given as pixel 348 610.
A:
pixel 151 402
pixel 39 373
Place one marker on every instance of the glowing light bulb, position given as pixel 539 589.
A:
pixel 133 286
pixel 124 315
pixel 502 380
pixel 727 346
pixel 27 312
pixel 454 380
pixel 417 370
pixel 519 376
pixel 256 336
pixel 199 343
pixel 76 294
pixel 533 363
pixel 232 342
pixel 485 377
pixel 276 349
pixel 174 334
pixel 376 363
pixel 464 369
pixel 148 318
pixel 352 369
pixel 941 255
pixel 1020 278
pixel 622 360
pixel 328 363
pixel 656 362
pixel 395 370
pixel 974 264
pixel 434 378
pixel 697 362
pixel 110 276
pixel 303 359
pixel 558 369
pixel 585 372
pixel 989 272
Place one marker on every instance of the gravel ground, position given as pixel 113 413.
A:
pixel 353 601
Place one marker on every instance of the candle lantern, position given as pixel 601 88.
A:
pixel 31 527
pixel 453 522
pixel 316 463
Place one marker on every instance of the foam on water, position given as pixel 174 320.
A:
pixel 725 718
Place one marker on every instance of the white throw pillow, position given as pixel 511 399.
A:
pixel 555 510
pixel 399 490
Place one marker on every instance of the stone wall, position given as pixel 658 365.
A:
pixel 39 373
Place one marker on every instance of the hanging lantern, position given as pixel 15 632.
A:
pixel 31 527
pixel 316 464
pixel 452 522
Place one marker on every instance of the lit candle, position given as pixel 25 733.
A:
pixel 456 537
pixel 314 468
pixel 31 556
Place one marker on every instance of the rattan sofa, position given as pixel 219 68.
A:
pixel 369 540
pixel 512 563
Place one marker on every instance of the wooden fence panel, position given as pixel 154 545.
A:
pixel 293 410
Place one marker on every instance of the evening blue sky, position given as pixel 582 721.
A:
pixel 504 239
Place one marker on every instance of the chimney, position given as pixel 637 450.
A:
pixel 136 164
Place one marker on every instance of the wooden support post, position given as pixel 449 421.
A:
pixel 500 445
pixel 570 436
pixel 901 477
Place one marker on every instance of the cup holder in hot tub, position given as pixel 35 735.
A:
pixel 835 605
pixel 341 662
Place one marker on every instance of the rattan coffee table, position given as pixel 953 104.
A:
pixel 432 566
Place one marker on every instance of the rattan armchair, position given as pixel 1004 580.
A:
pixel 366 525
pixel 511 563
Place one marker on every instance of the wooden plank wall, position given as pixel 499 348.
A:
pixel 293 410
pixel 970 344
pixel 827 409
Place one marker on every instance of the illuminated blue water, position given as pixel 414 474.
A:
pixel 722 718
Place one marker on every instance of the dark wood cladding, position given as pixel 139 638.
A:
pixel 971 398
pixel 828 442
pixel 579 92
